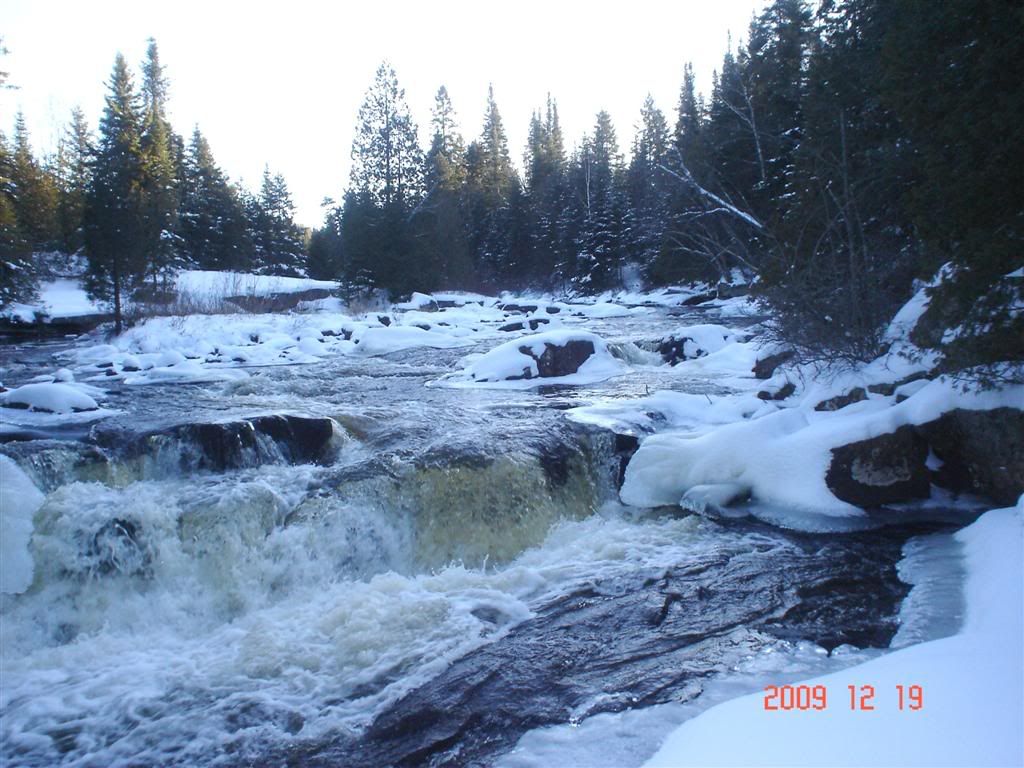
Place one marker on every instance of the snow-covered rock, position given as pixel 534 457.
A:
pixel 559 356
pixel 49 398
pixel 693 341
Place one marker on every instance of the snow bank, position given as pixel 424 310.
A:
pixel 972 683
pixel 49 398
pixel 782 456
pixel 211 285
pixel 516 364
pixel 19 500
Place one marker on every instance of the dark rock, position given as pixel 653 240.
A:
pixel 130 368
pixel 561 360
pixel 855 395
pixel 781 394
pixel 384 320
pixel 891 387
pixel 537 322
pixel 731 290
pixel 552 310
pixel 277 302
pixel 625 447
pixel 888 469
pixel 982 452
pixel 700 298
pixel 512 327
pixel 422 326
pixel 231 445
pixel 302 439
pixel 104 365
pixel 524 309
pixel 765 367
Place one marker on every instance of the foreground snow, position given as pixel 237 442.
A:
pixel 973 688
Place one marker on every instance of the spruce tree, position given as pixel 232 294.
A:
pixel 115 231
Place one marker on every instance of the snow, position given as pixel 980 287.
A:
pixel 383 340
pixel 506 366
pixel 781 457
pixel 19 500
pixel 206 284
pixel 51 398
pixel 972 683
pixel 602 310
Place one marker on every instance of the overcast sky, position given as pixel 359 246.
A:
pixel 281 83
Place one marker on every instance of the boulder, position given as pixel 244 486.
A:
pixel 855 395
pixel 981 452
pixel 561 360
pixel 888 469
pixel 782 393
pixel 765 367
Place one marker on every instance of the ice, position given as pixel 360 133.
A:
pixel 49 398
pixel 973 686
pixel 19 500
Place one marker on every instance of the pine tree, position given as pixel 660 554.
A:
pixel 386 189
pixel 280 247
pixel 600 242
pixel 213 224
pixel 160 176
pixel 490 182
pixel 74 176
pixel 115 231
pixel 386 157
pixel 17 276
pixel 446 257
pixel 545 164
pixel 34 193
pixel 647 184
pixel 325 252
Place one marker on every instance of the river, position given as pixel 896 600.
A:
pixel 342 563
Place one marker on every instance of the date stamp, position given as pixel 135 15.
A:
pixel 861 698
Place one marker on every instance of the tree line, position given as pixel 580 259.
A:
pixel 138 201
pixel 846 149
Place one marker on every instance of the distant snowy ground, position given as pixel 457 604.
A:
pixel 206 284
pixel 972 684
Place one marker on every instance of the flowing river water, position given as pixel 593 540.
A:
pixel 340 564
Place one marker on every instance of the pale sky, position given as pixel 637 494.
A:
pixel 281 83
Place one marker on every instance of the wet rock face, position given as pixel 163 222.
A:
pixel 561 360
pixel 638 640
pixel 982 452
pixel 235 444
pixel 887 469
